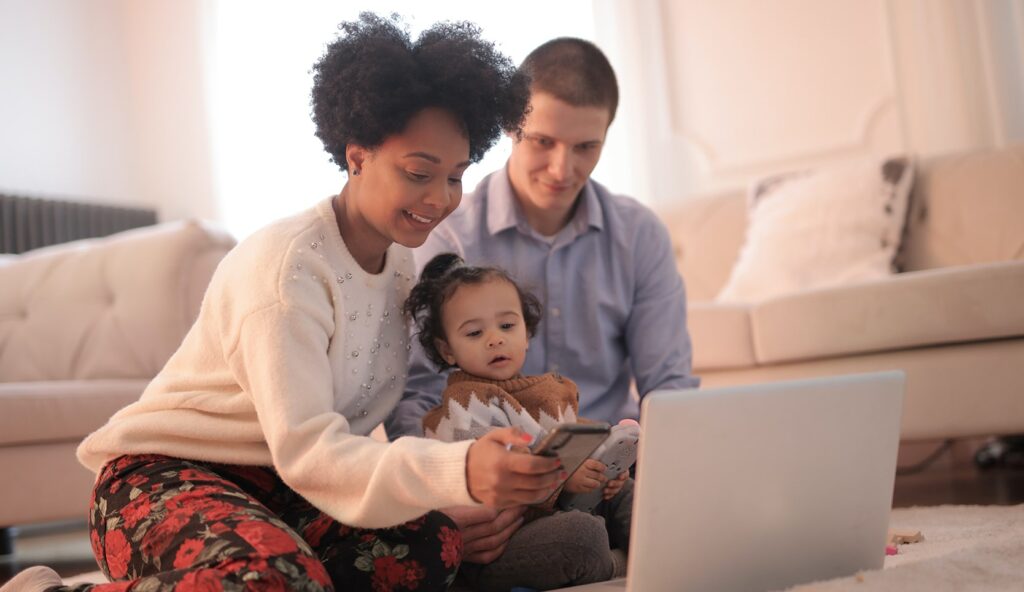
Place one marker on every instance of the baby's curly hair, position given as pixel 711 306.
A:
pixel 438 281
pixel 373 78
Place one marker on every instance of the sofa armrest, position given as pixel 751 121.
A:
pixel 916 309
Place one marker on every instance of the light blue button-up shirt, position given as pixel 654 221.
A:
pixel 614 303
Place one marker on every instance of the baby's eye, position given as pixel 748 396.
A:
pixel 507 326
pixel 476 333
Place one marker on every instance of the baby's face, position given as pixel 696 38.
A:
pixel 485 329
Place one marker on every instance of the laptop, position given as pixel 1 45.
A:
pixel 763 487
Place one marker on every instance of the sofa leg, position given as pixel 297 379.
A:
pixel 6 540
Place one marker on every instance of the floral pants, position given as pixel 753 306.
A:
pixel 160 523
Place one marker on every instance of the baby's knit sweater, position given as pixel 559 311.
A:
pixel 471 406
pixel 297 354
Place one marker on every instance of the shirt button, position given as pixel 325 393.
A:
pixel 555 312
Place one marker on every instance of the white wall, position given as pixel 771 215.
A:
pixel 103 101
pixel 719 93
pixel 110 100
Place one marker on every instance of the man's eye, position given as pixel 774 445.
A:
pixel 543 142
pixel 454 181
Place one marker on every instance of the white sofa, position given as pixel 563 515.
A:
pixel 953 319
pixel 84 326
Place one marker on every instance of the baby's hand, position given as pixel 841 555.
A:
pixel 613 487
pixel 587 478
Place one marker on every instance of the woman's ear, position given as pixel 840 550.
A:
pixel 355 156
pixel 445 350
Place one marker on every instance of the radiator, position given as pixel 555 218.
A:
pixel 29 223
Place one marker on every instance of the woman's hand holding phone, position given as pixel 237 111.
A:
pixel 500 477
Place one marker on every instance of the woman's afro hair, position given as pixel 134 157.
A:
pixel 373 78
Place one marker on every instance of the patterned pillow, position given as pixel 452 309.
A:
pixel 827 227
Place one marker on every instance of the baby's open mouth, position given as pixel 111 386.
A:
pixel 497 359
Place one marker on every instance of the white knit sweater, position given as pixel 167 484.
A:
pixel 296 356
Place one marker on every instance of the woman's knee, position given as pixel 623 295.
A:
pixel 440 537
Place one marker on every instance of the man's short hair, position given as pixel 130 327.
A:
pixel 575 71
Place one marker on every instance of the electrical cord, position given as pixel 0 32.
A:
pixel 928 460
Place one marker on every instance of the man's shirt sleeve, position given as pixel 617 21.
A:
pixel 657 339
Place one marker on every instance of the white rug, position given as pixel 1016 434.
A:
pixel 965 548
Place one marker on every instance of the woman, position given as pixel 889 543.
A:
pixel 246 462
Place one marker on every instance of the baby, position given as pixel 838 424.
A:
pixel 478 320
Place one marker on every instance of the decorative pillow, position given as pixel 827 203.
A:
pixel 813 229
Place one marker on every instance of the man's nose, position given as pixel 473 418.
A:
pixel 560 164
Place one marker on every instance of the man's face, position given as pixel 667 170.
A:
pixel 560 147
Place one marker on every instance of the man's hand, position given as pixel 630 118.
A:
pixel 614 486
pixel 587 478
pixel 485 532
pixel 500 477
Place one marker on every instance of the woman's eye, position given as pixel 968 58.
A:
pixel 454 181
pixel 418 176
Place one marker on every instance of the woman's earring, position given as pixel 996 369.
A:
pixel 355 172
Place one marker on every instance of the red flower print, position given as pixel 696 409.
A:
pixel 193 499
pixel 266 538
pixel 451 546
pixel 203 580
pixel 414 573
pixel 216 509
pixel 117 554
pixel 314 570
pixel 94 540
pixel 187 553
pixel 316 529
pixel 134 512
pixel 387 573
pixel 161 535
pixel 219 528
pixel 136 480
pixel 122 462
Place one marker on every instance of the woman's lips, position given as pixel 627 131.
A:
pixel 418 220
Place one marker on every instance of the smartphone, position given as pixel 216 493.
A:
pixel 572 443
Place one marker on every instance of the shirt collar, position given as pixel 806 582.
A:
pixel 504 212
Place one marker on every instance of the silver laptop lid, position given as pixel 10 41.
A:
pixel 762 487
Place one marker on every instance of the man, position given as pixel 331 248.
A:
pixel 602 265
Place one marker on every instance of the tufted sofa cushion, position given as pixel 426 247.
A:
pixel 110 308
